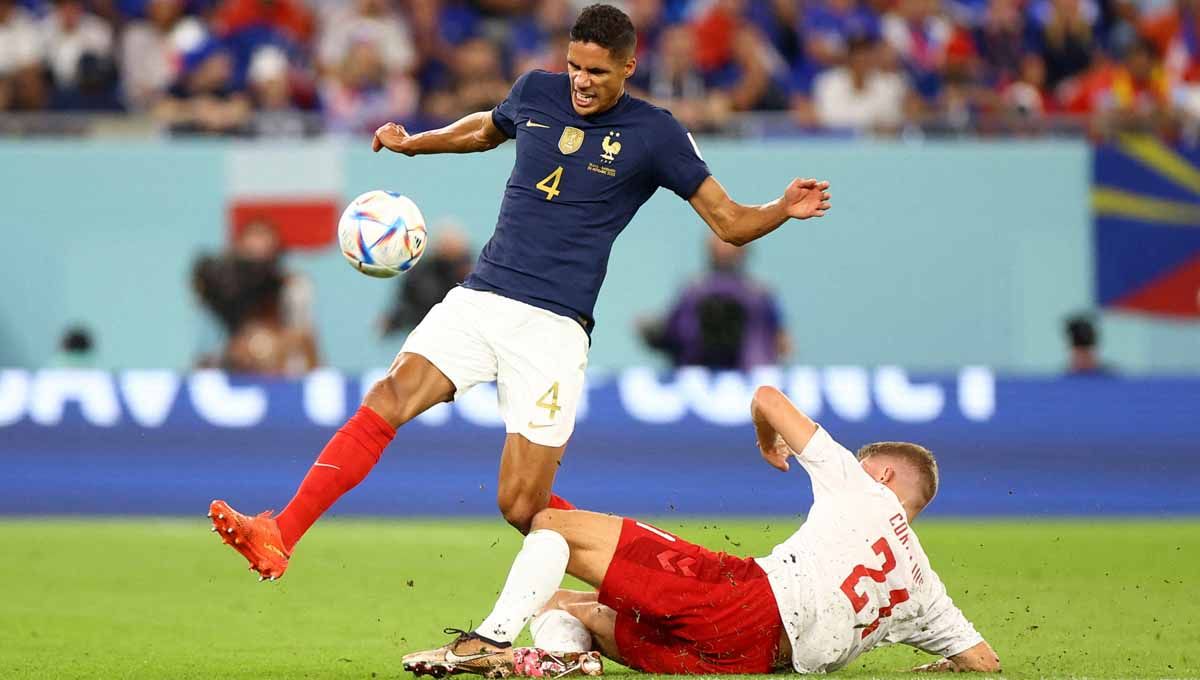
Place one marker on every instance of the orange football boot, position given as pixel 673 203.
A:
pixel 256 538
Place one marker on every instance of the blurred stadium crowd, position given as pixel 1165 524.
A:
pixel 293 67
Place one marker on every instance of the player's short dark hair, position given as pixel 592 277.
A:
pixel 917 457
pixel 607 27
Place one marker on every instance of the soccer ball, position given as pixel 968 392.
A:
pixel 382 233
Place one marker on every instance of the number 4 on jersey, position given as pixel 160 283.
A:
pixel 550 183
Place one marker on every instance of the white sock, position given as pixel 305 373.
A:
pixel 535 576
pixel 558 631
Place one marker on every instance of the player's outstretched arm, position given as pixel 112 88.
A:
pixel 781 427
pixel 979 659
pixel 740 224
pixel 475 132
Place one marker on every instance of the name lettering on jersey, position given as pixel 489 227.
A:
pixel 901 530
pixel 570 141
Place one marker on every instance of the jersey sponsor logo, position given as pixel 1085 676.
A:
pixel 530 123
pixel 571 140
pixel 610 146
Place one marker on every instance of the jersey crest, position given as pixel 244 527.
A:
pixel 611 148
pixel 571 140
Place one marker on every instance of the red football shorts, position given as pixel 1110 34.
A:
pixel 684 609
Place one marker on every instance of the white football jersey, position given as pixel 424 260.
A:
pixel 854 576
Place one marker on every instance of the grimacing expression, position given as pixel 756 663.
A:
pixel 597 76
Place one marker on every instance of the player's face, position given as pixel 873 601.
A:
pixel 597 77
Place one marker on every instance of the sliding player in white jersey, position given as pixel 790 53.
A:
pixel 854 577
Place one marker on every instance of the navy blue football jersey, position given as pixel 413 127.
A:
pixel 575 185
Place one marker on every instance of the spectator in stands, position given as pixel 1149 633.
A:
pixel 724 320
pixel 203 98
pixel 831 24
pixel 736 59
pixel 428 61
pixel 1003 41
pixel 1119 24
pixel 425 286
pixel 271 91
pixel 1026 97
pixel 368 21
pixel 21 82
pixel 265 311
pixel 1175 32
pixel 540 40
pixel 359 96
pixel 149 52
pixel 475 82
pixel 291 19
pixel 860 95
pixel 95 87
pixel 672 79
pixel 920 35
pixel 1138 97
pixel 648 17
pixel 1084 340
pixel 70 33
pixel 1067 40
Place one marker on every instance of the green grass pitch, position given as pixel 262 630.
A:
pixel 151 598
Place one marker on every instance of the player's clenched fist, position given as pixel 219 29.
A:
pixel 806 198
pixel 392 137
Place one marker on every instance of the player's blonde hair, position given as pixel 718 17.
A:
pixel 917 457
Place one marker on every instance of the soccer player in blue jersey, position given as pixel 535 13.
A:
pixel 588 156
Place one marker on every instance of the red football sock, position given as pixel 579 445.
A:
pixel 344 462
pixel 559 503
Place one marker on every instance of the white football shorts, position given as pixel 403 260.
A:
pixel 536 357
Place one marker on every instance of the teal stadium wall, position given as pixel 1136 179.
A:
pixel 937 255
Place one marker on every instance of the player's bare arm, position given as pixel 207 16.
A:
pixel 979 659
pixel 471 133
pixel 740 224
pixel 781 428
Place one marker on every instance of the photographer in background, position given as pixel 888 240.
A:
pixel 724 320
pixel 425 286
pixel 265 311
pixel 1084 340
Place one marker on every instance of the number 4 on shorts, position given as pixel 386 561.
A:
pixel 549 401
